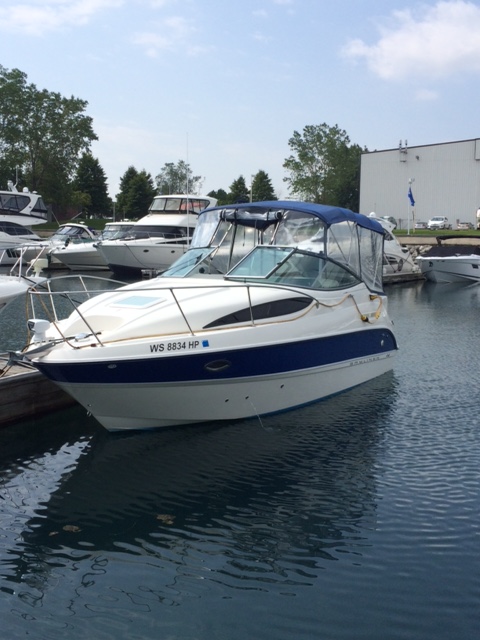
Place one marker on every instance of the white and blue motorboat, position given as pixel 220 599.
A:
pixel 302 316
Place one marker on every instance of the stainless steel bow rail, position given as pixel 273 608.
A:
pixel 50 306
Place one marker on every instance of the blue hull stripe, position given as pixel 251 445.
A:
pixel 208 364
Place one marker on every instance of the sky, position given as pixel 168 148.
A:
pixel 224 84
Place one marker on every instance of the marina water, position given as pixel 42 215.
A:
pixel 355 518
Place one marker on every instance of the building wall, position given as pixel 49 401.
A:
pixel 445 182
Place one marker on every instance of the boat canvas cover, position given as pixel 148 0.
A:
pixel 328 214
pixel 352 239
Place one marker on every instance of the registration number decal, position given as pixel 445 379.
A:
pixel 178 345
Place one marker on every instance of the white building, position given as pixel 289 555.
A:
pixel 444 179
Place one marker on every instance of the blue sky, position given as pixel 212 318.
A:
pixel 223 84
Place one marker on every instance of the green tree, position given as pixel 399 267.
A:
pixel 13 110
pixel 122 203
pixel 178 178
pixel 262 188
pixel 342 187
pixel 221 195
pixel 43 134
pixel 92 181
pixel 136 194
pixel 323 166
pixel 239 192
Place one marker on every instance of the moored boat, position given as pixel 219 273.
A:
pixel 22 207
pixel 158 239
pixel 19 210
pixel 12 236
pixel 19 280
pixel 452 268
pixel 82 254
pixel 66 233
pixel 301 317
pixel 398 263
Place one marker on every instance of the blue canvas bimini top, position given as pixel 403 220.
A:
pixel 269 211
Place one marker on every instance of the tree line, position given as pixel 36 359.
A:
pixel 45 145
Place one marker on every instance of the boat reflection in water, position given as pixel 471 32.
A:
pixel 301 317
pixel 251 505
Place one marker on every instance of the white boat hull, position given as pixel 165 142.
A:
pixel 460 268
pixel 13 286
pixel 9 250
pixel 220 374
pixel 84 258
pixel 145 406
pixel 139 256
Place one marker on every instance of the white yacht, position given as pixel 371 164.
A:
pixel 22 207
pixel 12 236
pixel 158 239
pixel 19 210
pixel 456 267
pixel 301 317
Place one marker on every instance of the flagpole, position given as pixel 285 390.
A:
pixel 411 203
pixel 408 208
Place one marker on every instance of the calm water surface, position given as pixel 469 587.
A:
pixel 357 518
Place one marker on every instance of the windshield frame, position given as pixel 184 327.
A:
pixel 297 267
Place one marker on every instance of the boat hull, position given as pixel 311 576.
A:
pixel 81 258
pixel 226 385
pixel 12 287
pixel 131 258
pixel 451 268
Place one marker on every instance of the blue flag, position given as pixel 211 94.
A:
pixel 410 196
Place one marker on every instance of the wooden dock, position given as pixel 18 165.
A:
pixel 26 393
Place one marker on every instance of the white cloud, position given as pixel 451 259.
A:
pixel 170 35
pixel 436 41
pixel 159 4
pixel 426 95
pixel 261 37
pixel 37 17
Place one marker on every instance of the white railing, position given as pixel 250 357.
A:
pixel 57 305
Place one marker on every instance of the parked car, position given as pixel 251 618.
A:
pixel 420 225
pixel 439 222
pixel 464 225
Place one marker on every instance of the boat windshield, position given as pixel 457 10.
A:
pixel 293 267
pixel 72 232
pixel 193 262
pixel 162 204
